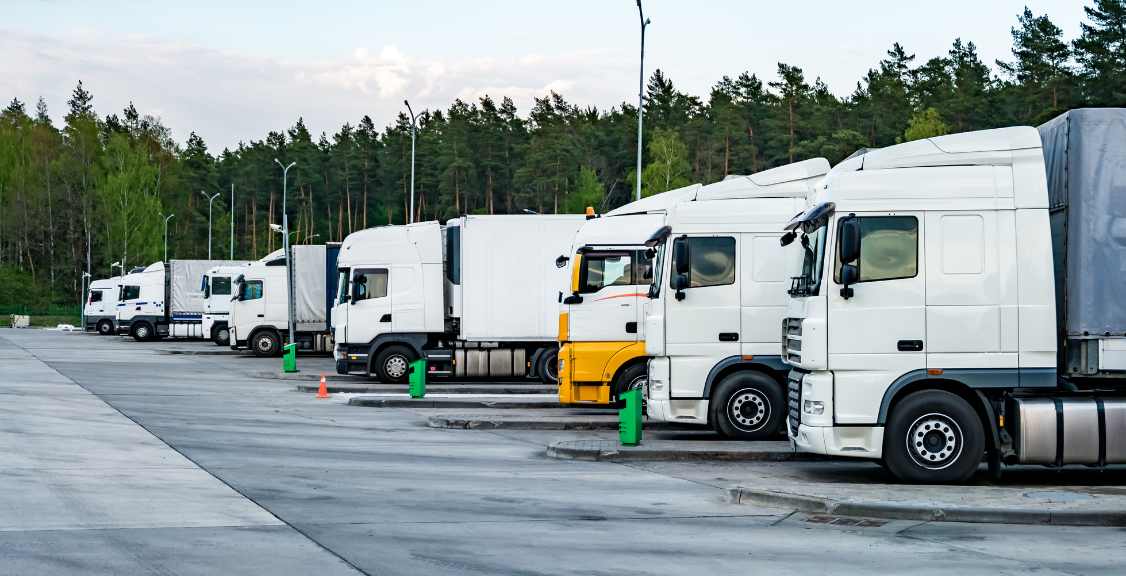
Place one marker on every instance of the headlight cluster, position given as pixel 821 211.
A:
pixel 814 407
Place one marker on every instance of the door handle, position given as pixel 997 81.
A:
pixel 138 307
pixel 910 345
pixel 385 318
pixel 728 336
pixel 261 315
pixel 631 327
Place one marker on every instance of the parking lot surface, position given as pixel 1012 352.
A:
pixel 119 460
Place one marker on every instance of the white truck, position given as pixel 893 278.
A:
pixel 960 296
pixel 601 323
pixel 717 300
pixel 100 311
pixel 217 290
pixel 164 301
pixel 259 316
pixel 477 298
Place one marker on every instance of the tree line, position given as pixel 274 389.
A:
pixel 96 190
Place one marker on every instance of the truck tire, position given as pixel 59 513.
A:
pixel 220 334
pixel 547 367
pixel 746 406
pixel 392 364
pixel 105 328
pixel 933 437
pixel 632 378
pixel 265 343
pixel 143 332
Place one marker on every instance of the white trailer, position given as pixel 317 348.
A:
pixel 926 327
pixel 476 298
pixel 164 301
pixel 259 314
pixel 717 299
pixel 100 311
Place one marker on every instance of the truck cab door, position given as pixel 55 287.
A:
pixel 369 313
pixel 250 309
pixel 609 291
pixel 339 315
pixel 877 327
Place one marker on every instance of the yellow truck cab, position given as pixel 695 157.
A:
pixel 601 320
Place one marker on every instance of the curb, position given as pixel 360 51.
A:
pixel 369 402
pixel 341 387
pixel 563 451
pixel 816 505
pixel 468 423
pixel 206 352
pixel 309 376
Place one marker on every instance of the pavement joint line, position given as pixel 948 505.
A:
pixel 197 464
pixel 587 518
pixel 901 534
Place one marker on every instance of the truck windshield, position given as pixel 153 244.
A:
pixel 342 284
pixel 807 281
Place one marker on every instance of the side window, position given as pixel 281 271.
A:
pixel 95 296
pixel 642 269
pixel 250 290
pixel 369 283
pixel 711 261
pixel 605 268
pixel 221 285
pixel 342 284
pixel 130 293
pixel 889 248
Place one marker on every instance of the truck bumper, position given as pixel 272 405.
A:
pixel 850 441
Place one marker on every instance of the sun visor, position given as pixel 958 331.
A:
pixel 813 217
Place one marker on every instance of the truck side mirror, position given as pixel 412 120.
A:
pixel 647 272
pixel 561 261
pixel 680 255
pixel 788 238
pixel 850 240
pixel 679 283
pixel 650 253
pixel 850 274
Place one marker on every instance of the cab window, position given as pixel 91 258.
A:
pixel 221 285
pixel 711 261
pixel 369 283
pixel 342 284
pixel 605 268
pixel 889 248
pixel 95 296
pixel 130 293
pixel 250 290
pixel 642 269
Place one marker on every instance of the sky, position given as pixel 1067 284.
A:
pixel 233 71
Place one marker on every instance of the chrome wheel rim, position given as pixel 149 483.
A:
pixel 934 441
pixel 748 409
pixel 264 344
pixel 223 335
pixel 142 332
pixel 396 367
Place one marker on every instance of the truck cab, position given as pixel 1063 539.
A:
pixel 717 298
pixel 217 291
pixel 141 303
pixel 100 310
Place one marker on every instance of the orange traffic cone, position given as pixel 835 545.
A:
pixel 324 388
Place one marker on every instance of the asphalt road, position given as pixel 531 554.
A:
pixel 117 460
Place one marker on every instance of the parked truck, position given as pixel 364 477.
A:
pixel 218 285
pixel 960 297
pixel 716 302
pixel 164 301
pixel 100 311
pixel 477 298
pixel 259 314
pixel 601 323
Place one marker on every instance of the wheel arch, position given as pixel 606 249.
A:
pixel 626 358
pixel 970 385
pixel 772 366
pixel 258 329
pixel 413 341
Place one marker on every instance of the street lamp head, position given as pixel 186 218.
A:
pixel 646 21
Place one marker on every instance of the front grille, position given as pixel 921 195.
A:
pixel 794 401
pixel 793 326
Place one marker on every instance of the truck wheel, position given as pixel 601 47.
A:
pixel 221 335
pixel 143 332
pixel 746 406
pixel 933 437
pixel 548 366
pixel 105 327
pixel 265 344
pixel 392 364
pixel 632 378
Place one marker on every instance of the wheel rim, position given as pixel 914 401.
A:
pixel 224 335
pixel 142 332
pixel 264 344
pixel 934 441
pixel 552 369
pixel 748 409
pixel 395 367
pixel 104 328
pixel 638 383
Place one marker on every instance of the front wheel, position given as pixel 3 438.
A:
pixel 632 378
pixel 265 344
pixel 105 328
pixel 548 366
pixel 746 406
pixel 143 332
pixel 221 335
pixel 933 437
pixel 392 364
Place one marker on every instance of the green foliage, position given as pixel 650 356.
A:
pixel 588 192
pixel 925 124
pixel 669 169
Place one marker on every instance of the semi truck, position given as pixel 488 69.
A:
pixel 260 313
pixel 601 323
pixel 217 291
pixel 100 311
pixel 959 298
pixel 716 302
pixel 477 298
pixel 164 301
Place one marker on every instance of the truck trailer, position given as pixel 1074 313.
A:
pixel 477 298
pixel 259 314
pixel 100 311
pixel 960 297
pixel 164 301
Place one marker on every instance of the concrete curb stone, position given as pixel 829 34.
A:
pixel 475 422
pixel 676 451
pixel 375 402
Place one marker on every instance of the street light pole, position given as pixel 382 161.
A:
pixel 285 235
pixel 640 94
pixel 209 201
pixel 232 220
pixel 165 238
pixel 414 119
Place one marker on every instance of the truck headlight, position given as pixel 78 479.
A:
pixel 656 385
pixel 815 408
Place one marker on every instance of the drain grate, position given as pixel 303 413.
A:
pixel 845 521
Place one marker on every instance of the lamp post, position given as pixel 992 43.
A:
pixel 85 290
pixel 165 240
pixel 414 122
pixel 209 201
pixel 232 220
pixel 308 238
pixel 640 94
pixel 285 235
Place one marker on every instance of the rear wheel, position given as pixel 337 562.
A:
pixel 221 335
pixel 933 437
pixel 105 328
pixel 548 366
pixel 143 332
pixel 265 344
pixel 392 364
pixel 746 406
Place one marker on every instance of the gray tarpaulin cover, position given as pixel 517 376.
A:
pixel 1085 157
pixel 186 283
pixel 309 284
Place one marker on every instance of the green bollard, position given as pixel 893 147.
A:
pixel 417 378
pixel 629 418
pixel 289 357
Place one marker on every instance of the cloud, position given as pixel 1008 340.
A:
pixel 228 97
